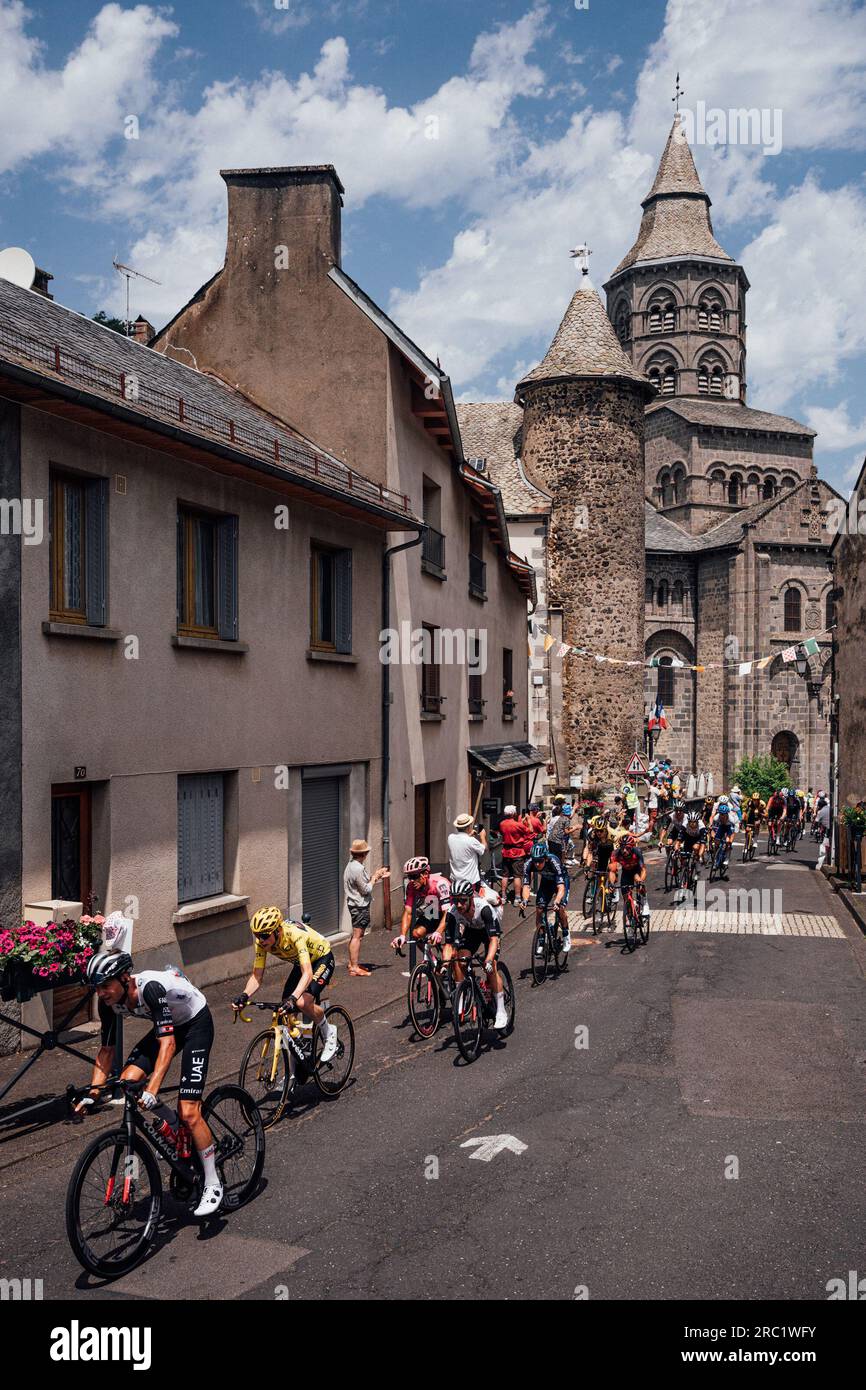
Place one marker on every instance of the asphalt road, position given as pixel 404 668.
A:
pixel 692 1117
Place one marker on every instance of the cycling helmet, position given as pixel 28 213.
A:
pixel 462 888
pixel 567 809
pixel 693 821
pixel 629 842
pixel 413 867
pixel 724 808
pixel 107 965
pixel 266 921
pixel 679 804
pixel 598 823
pixel 539 850
pixel 756 796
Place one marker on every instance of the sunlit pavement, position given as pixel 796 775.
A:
pixel 692 1116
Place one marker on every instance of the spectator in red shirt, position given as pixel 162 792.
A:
pixel 514 834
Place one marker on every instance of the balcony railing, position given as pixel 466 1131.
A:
pixel 477 576
pixel 431 703
pixel 433 551
pixel 509 707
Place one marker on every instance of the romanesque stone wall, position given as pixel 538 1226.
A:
pixel 712 629
pixel 850 556
pixel 670 631
pixel 583 443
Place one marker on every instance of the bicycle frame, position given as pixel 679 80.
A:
pixel 282 1035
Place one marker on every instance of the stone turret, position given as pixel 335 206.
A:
pixel 583 437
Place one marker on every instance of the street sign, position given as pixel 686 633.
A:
pixel 638 767
pixel 493 1144
pixel 491 805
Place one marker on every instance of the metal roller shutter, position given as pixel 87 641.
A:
pixel 199 836
pixel 321 853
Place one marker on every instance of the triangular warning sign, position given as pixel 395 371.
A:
pixel 638 767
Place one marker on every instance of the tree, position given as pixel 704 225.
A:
pixel 763 775
pixel 117 324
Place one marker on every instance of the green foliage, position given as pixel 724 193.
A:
pixel 763 775
pixel 855 817
pixel 117 324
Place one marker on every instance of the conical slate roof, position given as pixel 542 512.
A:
pixel 676 211
pixel 584 345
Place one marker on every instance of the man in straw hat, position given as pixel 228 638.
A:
pixel 359 894
pixel 466 850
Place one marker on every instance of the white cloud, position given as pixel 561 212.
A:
pixel 835 427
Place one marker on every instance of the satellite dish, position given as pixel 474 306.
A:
pixel 18 267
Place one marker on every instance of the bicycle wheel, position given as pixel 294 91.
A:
pixel 331 1077
pixel 267 1072
pixel 746 849
pixel 670 873
pixel 468 1019
pixel 509 999
pixel 558 954
pixel 540 953
pixel 643 927
pixel 590 893
pixel 599 907
pixel 113 1203
pixel 239 1135
pixel 629 923
pixel 425 1001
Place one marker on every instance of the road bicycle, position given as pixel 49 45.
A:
pixel 719 860
pixel 431 990
pixel 674 867
pixel 792 835
pixel 288 1053
pixel 598 899
pixel 548 946
pixel 634 924
pixel 114 1197
pixel 749 837
pixel 689 871
pixel 773 838
pixel 474 1007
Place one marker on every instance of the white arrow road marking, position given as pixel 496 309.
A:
pixel 492 1144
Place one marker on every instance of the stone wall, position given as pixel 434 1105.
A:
pixel 850 558
pixel 10 692
pixel 583 443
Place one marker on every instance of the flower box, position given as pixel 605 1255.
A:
pixel 37 957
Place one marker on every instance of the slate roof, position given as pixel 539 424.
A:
pixel 584 345
pixel 665 536
pixel 728 415
pixel 676 211
pixel 493 430
pixel 501 759
pixel 46 338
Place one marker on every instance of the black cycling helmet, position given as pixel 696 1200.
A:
pixel 107 965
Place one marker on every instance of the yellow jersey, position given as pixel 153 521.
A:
pixel 296 944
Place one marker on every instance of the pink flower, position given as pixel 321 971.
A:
pixel 98 919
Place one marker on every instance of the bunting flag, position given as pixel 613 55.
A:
pixel 549 642
pixel 809 647
pixel 531 652
pixel 765 661
pixel 563 649
pixel 745 668
pixel 789 654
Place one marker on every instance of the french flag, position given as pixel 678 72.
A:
pixel 657 718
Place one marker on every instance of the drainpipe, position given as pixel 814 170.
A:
pixel 386 717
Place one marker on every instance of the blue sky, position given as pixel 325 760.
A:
pixel 477 143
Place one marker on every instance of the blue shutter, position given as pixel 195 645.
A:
pixel 343 600
pixel 199 836
pixel 227 578
pixel 96 550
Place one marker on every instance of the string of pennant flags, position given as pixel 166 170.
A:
pixel 808 647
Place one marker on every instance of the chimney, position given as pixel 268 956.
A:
pixel 40 283
pixel 284 219
pixel 142 331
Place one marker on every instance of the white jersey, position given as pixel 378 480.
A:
pixel 492 898
pixel 170 991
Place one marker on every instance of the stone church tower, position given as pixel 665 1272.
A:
pixel 582 445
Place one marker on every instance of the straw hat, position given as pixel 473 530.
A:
pixel 359 847
pixel 464 821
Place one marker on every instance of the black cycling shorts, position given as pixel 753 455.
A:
pixel 194 1041
pixel 471 939
pixel 322 971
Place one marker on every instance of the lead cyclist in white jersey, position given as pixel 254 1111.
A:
pixel 181 1020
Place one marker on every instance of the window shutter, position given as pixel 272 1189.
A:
pixel 180 568
pixel 199 836
pixel 343 599
pixel 96 550
pixel 227 571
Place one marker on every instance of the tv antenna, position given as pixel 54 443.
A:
pixel 127 272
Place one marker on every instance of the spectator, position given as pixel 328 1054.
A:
pixel 823 819
pixel 513 832
pixel 653 804
pixel 359 894
pixel 466 849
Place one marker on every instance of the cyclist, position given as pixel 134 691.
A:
pixel 312 962
pixel 559 831
pixel 181 1022
pixel 694 836
pixel 471 922
pixel 428 898
pixel 754 813
pixel 775 811
pixel 628 859
pixel 674 829
pixel 553 888
pixel 723 825
pixel 599 845
pixel 793 813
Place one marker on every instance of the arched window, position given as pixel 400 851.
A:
pixel 677 597
pixel 788 483
pixel 650 593
pixel 663 375
pixel 829 609
pixel 666 680
pixel 735 487
pixel 754 486
pixel 678 483
pixel 793 609
pixel 623 323
pixel 710 314
pixel 711 376
pixel 664 488
pixel 662 599
pixel 662 315
pixel 717 483
pixel 769 489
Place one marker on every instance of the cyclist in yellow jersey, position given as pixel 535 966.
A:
pixel 312 967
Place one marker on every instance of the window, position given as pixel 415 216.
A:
pixel 711 377
pixel 793 607
pixel 623 323
pixel 207 575
pixel 734 489
pixel 662 316
pixel 477 567
pixel 769 490
pixel 678 595
pixel 650 592
pixel 476 703
pixel 433 545
pixel 662 375
pixel 666 680
pixel 664 486
pixel 200 800
pixel 663 594
pixel 678 481
pixel 710 315
pixel 431 700
pixel 78 530
pixel 829 610
pixel 330 599
pixel 717 483
pixel 509 703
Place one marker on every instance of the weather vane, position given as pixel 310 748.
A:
pixel 680 92
pixel 582 254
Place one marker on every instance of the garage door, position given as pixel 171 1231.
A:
pixel 321 853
